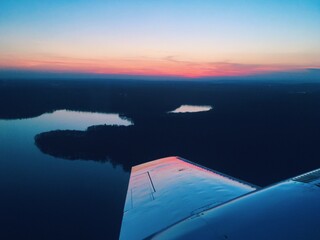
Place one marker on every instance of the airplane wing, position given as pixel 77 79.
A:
pixel 166 191
pixel 288 210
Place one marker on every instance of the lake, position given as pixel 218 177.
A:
pixel 43 197
pixel 191 109
pixel 66 148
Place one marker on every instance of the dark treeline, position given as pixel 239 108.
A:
pixel 31 98
pixel 261 133
pixel 141 99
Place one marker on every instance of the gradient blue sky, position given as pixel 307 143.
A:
pixel 175 38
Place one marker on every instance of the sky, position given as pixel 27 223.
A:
pixel 160 38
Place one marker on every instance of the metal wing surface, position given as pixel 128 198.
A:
pixel 166 191
pixel 288 210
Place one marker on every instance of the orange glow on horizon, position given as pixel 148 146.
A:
pixel 144 67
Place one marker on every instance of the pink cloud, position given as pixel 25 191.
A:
pixel 168 66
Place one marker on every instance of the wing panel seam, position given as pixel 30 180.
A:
pixel 154 190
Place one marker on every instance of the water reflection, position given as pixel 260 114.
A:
pixel 191 109
pixel 41 194
pixel 72 120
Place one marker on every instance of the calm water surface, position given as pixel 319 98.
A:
pixel 43 197
pixel 191 109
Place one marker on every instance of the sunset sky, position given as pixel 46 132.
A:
pixel 198 38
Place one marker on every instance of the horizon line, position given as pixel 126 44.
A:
pixel 17 73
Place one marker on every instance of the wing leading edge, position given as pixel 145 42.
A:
pixel 168 190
